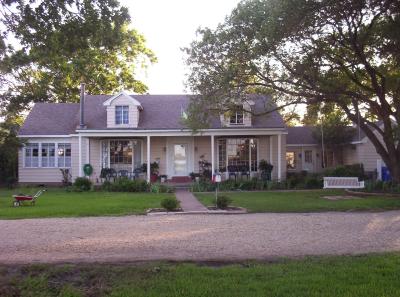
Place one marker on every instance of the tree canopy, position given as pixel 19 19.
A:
pixel 344 54
pixel 48 48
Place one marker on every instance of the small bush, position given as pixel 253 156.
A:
pixel 170 203
pixel 82 184
pixel 223 202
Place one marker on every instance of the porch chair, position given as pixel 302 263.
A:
pixel 123 173
pixel 244 171
pixel 232 171
pixel 112 174
pixel 136 173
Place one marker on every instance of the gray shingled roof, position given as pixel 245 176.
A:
pixel 159 112
pixel 300 135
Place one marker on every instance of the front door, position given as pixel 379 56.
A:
pixel 180 160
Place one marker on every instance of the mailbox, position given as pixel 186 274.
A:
pixel 217 178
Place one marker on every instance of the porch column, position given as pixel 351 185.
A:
pixel 212 156
pixel 148 158
pixel 80 171
pixel 279 157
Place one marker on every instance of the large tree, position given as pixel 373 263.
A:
pixel 48 47
pixel 315 52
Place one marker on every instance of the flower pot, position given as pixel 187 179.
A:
pixel 197 179
pixel 163 179
pixel 153 178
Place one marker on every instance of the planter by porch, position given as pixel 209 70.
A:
pixel 153 178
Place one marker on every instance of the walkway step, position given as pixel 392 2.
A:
pixel 189 201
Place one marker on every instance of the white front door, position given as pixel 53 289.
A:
pixel 180 159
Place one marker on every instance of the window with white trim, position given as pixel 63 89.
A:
pixel 64 155
pixel 121 114
pixel 237 118
pixel 48 155
pixel 31 155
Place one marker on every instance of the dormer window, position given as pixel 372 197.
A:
pixel 121 114
pixel 237 118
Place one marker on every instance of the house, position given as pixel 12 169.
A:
pixel 304 152
pixel 124 131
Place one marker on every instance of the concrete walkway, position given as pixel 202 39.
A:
pixel 197 237
pixel 188 201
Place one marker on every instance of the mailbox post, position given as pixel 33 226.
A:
pixel 217 180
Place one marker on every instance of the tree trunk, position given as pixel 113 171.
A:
pixel 394 168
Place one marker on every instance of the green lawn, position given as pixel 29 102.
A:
pixel 60 203
pixel 301 201
pixel 366 276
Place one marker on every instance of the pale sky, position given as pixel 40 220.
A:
pixel 168 26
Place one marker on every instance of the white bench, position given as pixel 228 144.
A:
pixel 342 183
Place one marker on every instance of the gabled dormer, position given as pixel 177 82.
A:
pixel 122 111
pixel 238 117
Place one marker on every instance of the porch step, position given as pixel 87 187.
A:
pixel 181 179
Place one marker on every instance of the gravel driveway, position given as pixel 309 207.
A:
pixel 197 237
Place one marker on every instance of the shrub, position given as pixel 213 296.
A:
pixel 124 184
pixel 82 184
pixel 170 203
pixel 355 170
pixel 313 182
pixel 202 186
pixel 223 202
pixel 160 188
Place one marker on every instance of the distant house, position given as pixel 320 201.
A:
pixel 303 152
pixel 124 131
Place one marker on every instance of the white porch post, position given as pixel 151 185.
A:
pixel 80 171
pixel 279 157
pixel 148 158
pixel 212 156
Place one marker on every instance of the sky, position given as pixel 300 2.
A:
pixel 168 26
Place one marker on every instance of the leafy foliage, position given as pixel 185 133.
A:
pixel 341 54
pixel 223 202
pixel 124 184
pixel 170 203
pixel 82 184
pixel 49 47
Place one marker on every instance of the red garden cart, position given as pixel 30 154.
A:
pixel 20 198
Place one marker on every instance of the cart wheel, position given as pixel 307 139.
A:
pixel 16 203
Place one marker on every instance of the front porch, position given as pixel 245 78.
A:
pixel 177 157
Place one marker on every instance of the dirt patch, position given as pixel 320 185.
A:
pixel 341 197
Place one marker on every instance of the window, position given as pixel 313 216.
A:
pixel 222 155
pixel 308 156
pixel 237 117
pixel 291 160
pixel 32 155
pixel 121 115
pixel 237 152
pixel 48 155
pixel 64 155
pixel 121 152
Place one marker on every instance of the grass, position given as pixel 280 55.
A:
pixel 301 201
pixel 60 203
pixel 367 276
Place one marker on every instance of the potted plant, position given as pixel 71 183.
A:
pixel 266 168
pixel 163 178
pixel 153 170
